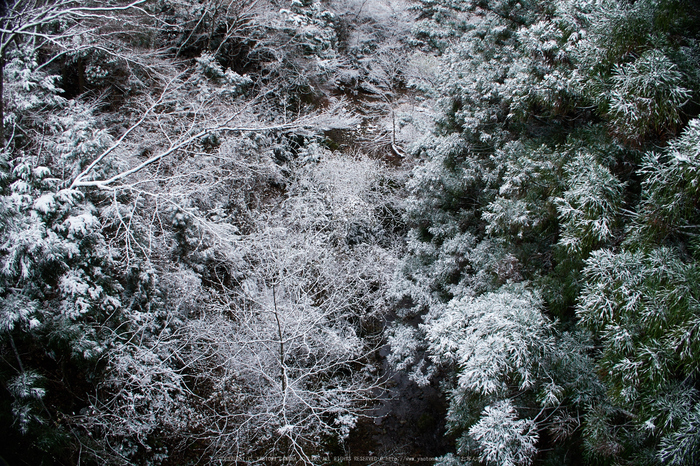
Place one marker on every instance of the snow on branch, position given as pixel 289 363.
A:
pixel 336 117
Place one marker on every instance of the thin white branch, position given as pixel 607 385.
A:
pixel 78 179
pixel 307 122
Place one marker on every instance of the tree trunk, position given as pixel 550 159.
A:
pixel 2 98
pixel 283 373
pixel 81 76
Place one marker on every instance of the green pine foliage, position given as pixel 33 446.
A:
pixel 549 184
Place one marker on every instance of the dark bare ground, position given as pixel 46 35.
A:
pixel 406 428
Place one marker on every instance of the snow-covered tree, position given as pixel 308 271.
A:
pixel 641 304
pixel 495 340
pixel 589 207
pixel 533 168
pixel 502 438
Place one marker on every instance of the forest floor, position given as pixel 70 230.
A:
pixel 406 427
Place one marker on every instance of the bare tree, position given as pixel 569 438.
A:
pixel 285 352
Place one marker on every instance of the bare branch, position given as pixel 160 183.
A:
pixel 318 121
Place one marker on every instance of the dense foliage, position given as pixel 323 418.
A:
pixel 188 272
pixel 206 231
pixel 553 250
